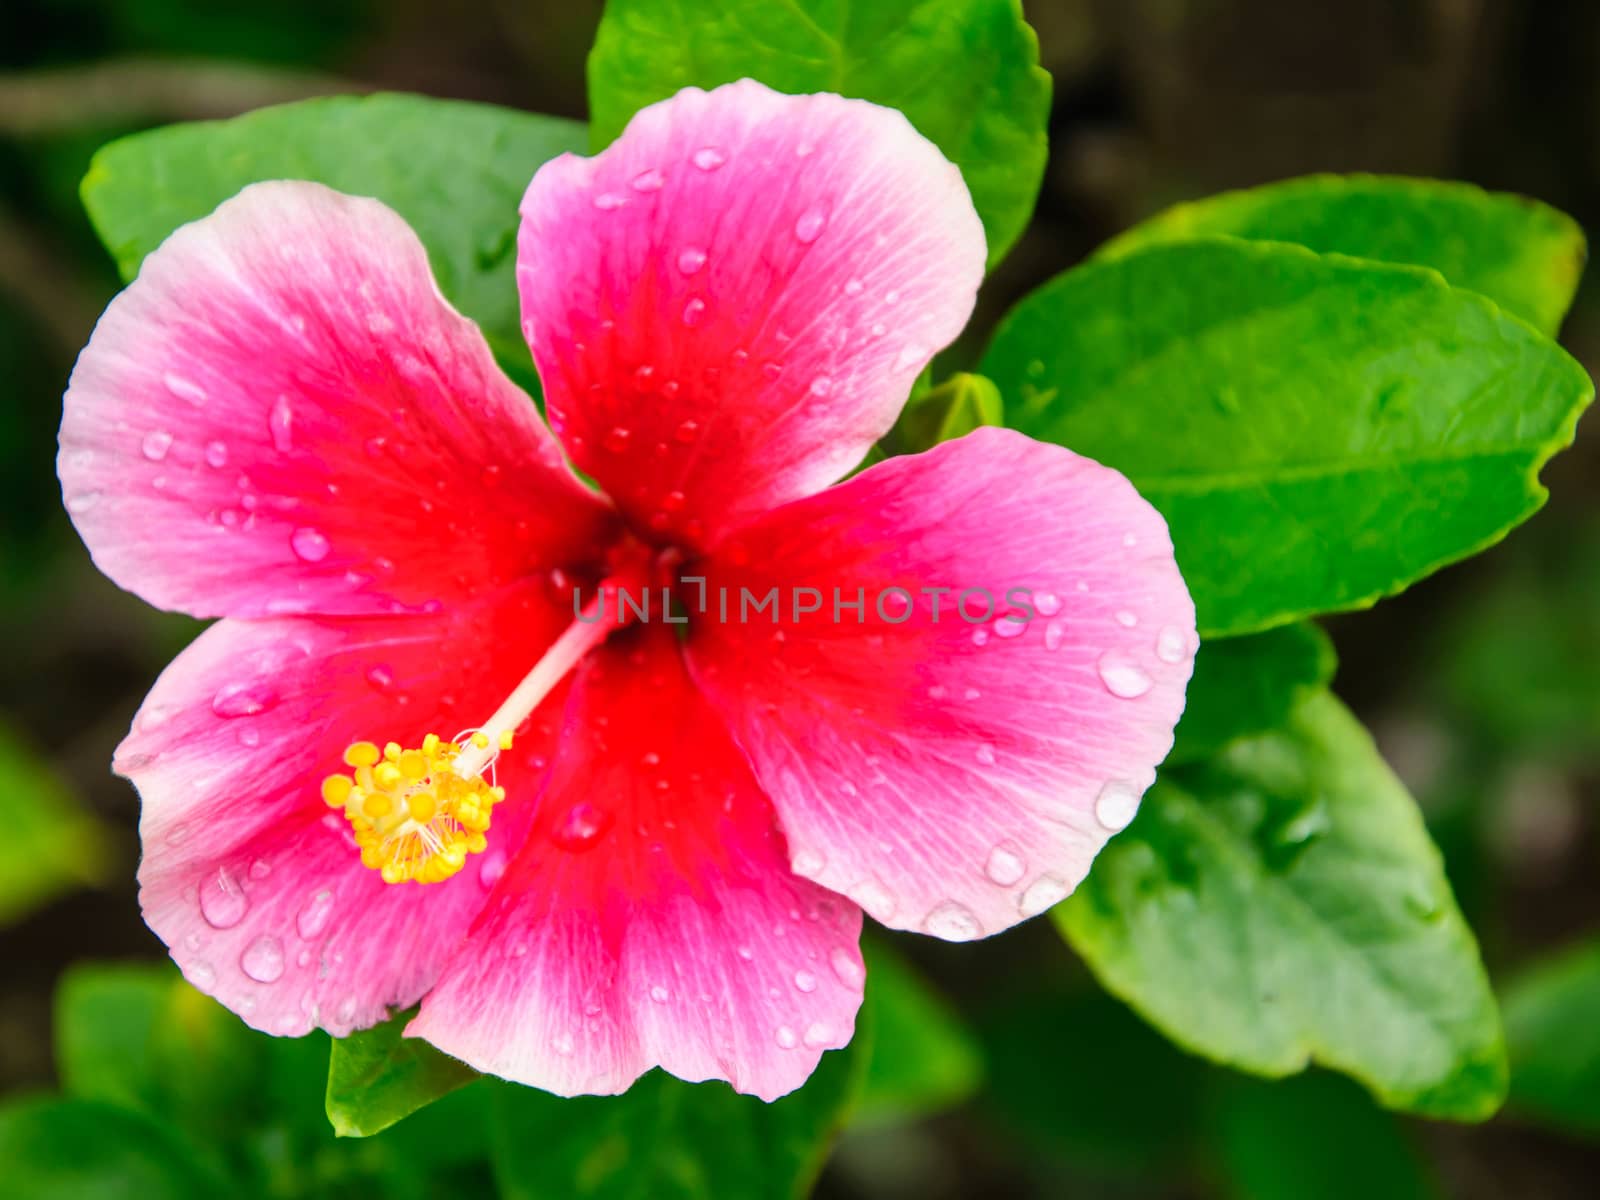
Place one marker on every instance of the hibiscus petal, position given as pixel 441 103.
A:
pixel 729 305
pixel 281 414
pixel 949 776
pixel 651 918
pixel 254 884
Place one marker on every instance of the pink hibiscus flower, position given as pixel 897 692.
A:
pixel 283 424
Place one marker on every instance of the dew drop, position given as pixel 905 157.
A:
pixel 201 975
pixel 82 502
pixel 309 545
pixel 216 455
pixel 687 432
pixel 617 440
pixel 708 158
pixel 821 386
pixel 1115 805
pixel 1171 644
pixel 807 863
pixel 875 898
pixel 980 637
pixel 185 389
pixel 243 699
pixel 809 227
pixel 648 181
pixel 1009 627
pixel 694 311
pixel 581 828
pixel 786 1037
pixel 380 677
pixel 659 994
pixel 313 916
pixel 494 866
pixel 280 424
pixel 1053 633
pixel 1126 619
pixel 805 981
pixel 609 201
pixel 1121 677
pixel 262 959
pixel 984 755
pixel 156 444
pixel 910 355
pixel 222 900
pixel 953 922
pixel 852 287
pixel 1004 867
pixel 1048 604
pixel 1044 892
pixel 691 259
pixel 847 966
pixel 818 1035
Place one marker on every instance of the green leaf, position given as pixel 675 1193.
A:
pixel 668 1140
pixel 955 408
pixel 376 1077
pixel 51 846
pixel 1313 1138
pixel 1555 1040
pixel 966 72
pixel 1283 904
pixel 55 1149
pixel 455 171
pixel 923 1058
pixel 1318 431
pixel 1523 255
pixel 1249 685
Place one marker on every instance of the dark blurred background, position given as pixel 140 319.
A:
pixel 1482 684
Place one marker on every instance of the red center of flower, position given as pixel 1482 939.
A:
pixel 418 812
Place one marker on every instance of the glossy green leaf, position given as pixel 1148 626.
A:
pixel 455 171
pixel 955 408
pixel 1554 1038
pixel 1523 255
pixel 966 72
pixel 1313 1138
pixel 51 845
pixel 1318 431
pixel 1249 685
pixel 376 1077
pixel 668 1140
pixel 1283 904
pixel 923 1060
pixel 58 1149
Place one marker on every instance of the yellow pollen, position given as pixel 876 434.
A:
pixel 416 817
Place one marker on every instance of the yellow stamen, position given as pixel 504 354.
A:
pixel 416 814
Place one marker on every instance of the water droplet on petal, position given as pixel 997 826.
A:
pixel 694 311
pixel 1053 633
pixel 648 181
pixel 380 677
pixel 1044 892
pixel 1004 867
pixel 953 922
pixel 805 981
pixel 1127 619
pixel 1048 604
pixel 313 916
pixel 786 1037
pixel 687 431
pixel 1172 644
pixel 821 385
pixel 82 502
pixel 910 355
pixel 201 975
pixel 243 699
pixel 280 424
pixel 185 389
pixel 310 545
pixel 818 1035
pixel 1115 805
pixel 809 226
pixel 1009 627
pixel 691 259
pixel 984 755
pixel 617 440
pixel 609 201
pixel 847 966
pixel 216 454
pixel 980 637
pixel 1122 677
pixel 708 158
pixel 581 827
pixel 807 863
pixel 852 287
pixel 222 900
pixel 156 444
pixel 659 994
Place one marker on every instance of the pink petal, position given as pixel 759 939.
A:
pixel 651 918
pixel 953 777
pixel 729 305
pixel 282 414
pixel 253 883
